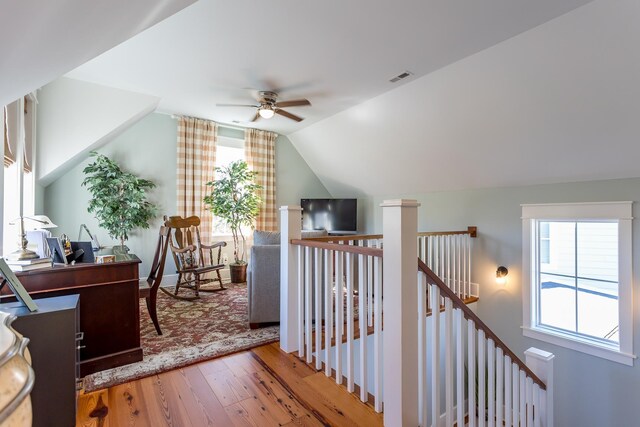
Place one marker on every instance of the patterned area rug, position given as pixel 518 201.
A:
pixel 193 331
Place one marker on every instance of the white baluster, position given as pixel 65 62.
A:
pixel 508 411
pixel 515 387
pixel 339 314
pixel 435 355
pixel 454 253
pixel 529 403
pixel 491 375
pixel 499 386
pixel 448 361
pixel 469 262
pixel 349 321
pixel 482 396
pixel 377 334
pixel 307 304
pixel 463 252
pixel 362 319
pixel 370 290
pixel 471 366
pixel 318 305
pixel 523 398
pixel 536 405
pixel 448 255
pixel 328 309
pixel 301 284
pixel 422 349
pixel 460 365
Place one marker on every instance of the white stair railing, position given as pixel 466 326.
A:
pixel 332 315
pixel 485 371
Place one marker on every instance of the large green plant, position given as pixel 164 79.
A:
pixel 119 199
pixel 235 198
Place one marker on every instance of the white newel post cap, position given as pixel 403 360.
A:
pixel 536 353
pixel 408 203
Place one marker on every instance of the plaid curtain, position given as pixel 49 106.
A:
pixel 196 161
pixel 259 150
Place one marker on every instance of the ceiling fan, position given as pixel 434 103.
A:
pixel 269 105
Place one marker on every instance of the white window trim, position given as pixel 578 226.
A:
pixel 620 211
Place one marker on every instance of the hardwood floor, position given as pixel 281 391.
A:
pixel 259 387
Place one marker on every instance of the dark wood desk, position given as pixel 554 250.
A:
pixel 109 308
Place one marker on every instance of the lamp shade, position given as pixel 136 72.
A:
pixel 40 221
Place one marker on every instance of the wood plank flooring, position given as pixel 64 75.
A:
pixel 259 387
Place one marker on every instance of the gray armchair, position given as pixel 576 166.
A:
pixel 263 276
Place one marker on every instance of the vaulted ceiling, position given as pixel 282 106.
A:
pixel 335 53
pixel 558 103
pixel 42 40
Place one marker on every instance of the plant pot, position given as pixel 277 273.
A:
pixel 238 273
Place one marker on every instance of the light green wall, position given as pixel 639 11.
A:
pixel 148 149
pixel 589 391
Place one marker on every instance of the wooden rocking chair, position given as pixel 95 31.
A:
pixel 193 259
pixel 154 279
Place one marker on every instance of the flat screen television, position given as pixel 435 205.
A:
pixel 333 215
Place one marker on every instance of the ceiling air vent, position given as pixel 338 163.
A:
pixel 401 76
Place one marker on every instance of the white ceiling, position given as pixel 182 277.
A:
pixel 43 39
pixel 335 53
pixel 559 103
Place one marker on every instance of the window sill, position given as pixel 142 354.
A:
pixel 582 346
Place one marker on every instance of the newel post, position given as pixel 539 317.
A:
pixel 290 228
pixel 400 307
pixel 541 363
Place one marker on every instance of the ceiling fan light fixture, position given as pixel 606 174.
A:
pixel 266 111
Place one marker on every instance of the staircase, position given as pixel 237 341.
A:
pixel 388 318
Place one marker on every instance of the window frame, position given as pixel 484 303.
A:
pixel 621 212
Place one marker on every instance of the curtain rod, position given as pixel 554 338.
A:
pixel 224 125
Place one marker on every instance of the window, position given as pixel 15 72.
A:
pixel 577 277
pixel 228 151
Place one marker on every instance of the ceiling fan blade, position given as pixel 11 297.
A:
pixel 289 115
pixel 256 117
pixel 294 103
pixel 237 105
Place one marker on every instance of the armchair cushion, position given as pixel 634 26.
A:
pixel 266 238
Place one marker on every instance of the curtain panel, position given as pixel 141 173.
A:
pixel 259 149
pixel 13 124
pixel 196 159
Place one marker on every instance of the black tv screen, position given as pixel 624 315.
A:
pixel 333 215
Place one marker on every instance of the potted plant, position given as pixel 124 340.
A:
pixel 118 198
pixel 235 198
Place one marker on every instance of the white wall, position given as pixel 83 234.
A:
pixel 590 392
pixel 44 40
pixel 75 117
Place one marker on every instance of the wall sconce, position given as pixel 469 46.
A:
pixel 501 275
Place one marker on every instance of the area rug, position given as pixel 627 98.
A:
pixel 193 331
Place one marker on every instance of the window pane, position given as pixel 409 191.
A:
pixel 597 250
pixel 561 248
pixel 226 155
pixel 598 309
pixel 558 302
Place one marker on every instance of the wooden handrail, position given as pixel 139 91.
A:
pixel 359 250
pixel 470 315
pixel 472 231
